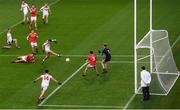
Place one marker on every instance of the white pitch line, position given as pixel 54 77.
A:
pixel 62 84
pixel 129 101
pixel 128 56
pixel 85 106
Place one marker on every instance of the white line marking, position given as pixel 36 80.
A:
pixel 174 43
pixel 62 84
pixel 84 106
pixel 69 55
pixel 129 101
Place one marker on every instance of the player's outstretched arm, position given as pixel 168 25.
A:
pixel 59 83
pixel 37 79
pixel 41 9
pixel 54 40
pixel 27 38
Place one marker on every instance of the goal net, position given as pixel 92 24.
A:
pixel 154 52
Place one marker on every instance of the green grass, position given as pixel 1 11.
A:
pixel 80 26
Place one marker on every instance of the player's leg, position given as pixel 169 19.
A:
pixel 42 94
pixel 31 24
pixel 41 97
pixel 85 70
pixel 27 19
pixel 53 53
pixel 16 43
pixel 35 23
pixel 103 63
pixel 36 49
pixel 7 46
pixel 18 61
pixel 46 57
pixel 46 19
pixel 97 72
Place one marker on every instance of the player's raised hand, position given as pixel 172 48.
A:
pixel 59 83
pixel 99 51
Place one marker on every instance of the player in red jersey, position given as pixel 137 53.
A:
pixel 91 63
pixel 33 12
pixel 32 38
pixel 25 59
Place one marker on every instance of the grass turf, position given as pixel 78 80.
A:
pixel 80 26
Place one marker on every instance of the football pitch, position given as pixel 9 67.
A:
pixel 80 26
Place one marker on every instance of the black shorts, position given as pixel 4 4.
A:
pixel 9 43
pixel 106 59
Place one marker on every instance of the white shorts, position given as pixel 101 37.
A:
pixel 44 87
pixel 47 51
pixel 45 13
pixel 33 18
pixel 25 12
pixel 24 58
pixel 91 66
pixel 33 44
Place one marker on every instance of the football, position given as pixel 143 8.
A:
pixel 67 59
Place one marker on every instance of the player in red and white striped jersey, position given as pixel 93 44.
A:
pixel 46 48
pixel 33 12
pixel 45 83
pixel 25 8
pixel 46 11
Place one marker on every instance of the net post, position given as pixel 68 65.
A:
pixel 135 49
pixel 151 48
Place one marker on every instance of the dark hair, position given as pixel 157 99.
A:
pixel 143 67
pixel 105 45
pixel 46 71
pixel 49 40
pixel 91 52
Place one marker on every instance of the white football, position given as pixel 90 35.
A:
pixel 67 59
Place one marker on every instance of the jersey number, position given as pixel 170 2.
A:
pixel 93 58
pixel 46 78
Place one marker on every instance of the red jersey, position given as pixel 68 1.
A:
pixel 33 37
pixel 33 12
pixel 92 59
pixel 29 57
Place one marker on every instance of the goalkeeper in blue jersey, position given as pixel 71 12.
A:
pixel 106 57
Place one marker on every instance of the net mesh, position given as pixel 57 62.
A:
pixel 164 70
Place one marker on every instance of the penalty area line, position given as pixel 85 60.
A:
pixel 60 86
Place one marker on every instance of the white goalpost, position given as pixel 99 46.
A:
pixel 154 48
